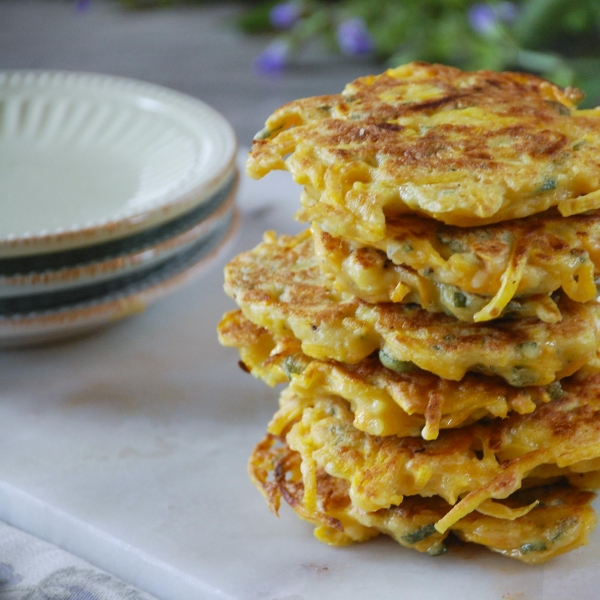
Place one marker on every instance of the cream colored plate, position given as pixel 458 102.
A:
pixel 88 158
pixel 137 257
pixel 76 319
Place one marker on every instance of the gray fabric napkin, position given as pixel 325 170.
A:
pixel 31 569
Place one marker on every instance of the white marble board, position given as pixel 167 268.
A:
pixel 129 448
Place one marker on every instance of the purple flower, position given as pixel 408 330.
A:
pixel 273 59
pixel 354 38
pixel 482 18
pixel 284 15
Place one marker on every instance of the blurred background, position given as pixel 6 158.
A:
pixel 247 58
pixel 194 48
pixel 558 39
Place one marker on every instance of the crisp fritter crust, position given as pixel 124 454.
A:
pixel 464 148
pixel 466 467
pixel 384 402
pixel 472 273
pixel 280 287
pixel 560 522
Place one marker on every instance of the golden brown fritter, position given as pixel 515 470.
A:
pixel 412 402
pixel 256 346
pixel 560 521
pixel 438 330
pixel 475 274
pixel 467 467
pixel 463 148
pixel 280 287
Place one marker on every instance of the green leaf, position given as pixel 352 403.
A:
pixel 256 19
pixel 420 534
pixel 539 21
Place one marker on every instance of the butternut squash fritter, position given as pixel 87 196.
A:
pixel 559 521
pixel 467 467
pixel 279 286
pixel 411 402
pixel 475 274
pixel 463 148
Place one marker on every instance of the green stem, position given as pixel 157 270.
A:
pixel 539 21
pixel 538 61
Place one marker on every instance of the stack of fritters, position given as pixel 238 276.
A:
pixel 437 324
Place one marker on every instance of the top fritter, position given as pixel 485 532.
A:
pixel 464 148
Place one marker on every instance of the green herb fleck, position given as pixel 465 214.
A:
pixel 528 345
pixel 580 253
pixel 407 247
pixel 522 376
pixel 437 549
pixel 456 246
pixel 533 547
pixel 562 527
pixel 399 366
pixel 265 133
pixel 420 534
pixel 529 349
pixel 549 184
pixel 292 366
pixel 459 299
pixel 554 390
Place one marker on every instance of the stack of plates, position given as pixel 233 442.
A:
pixel 112 192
